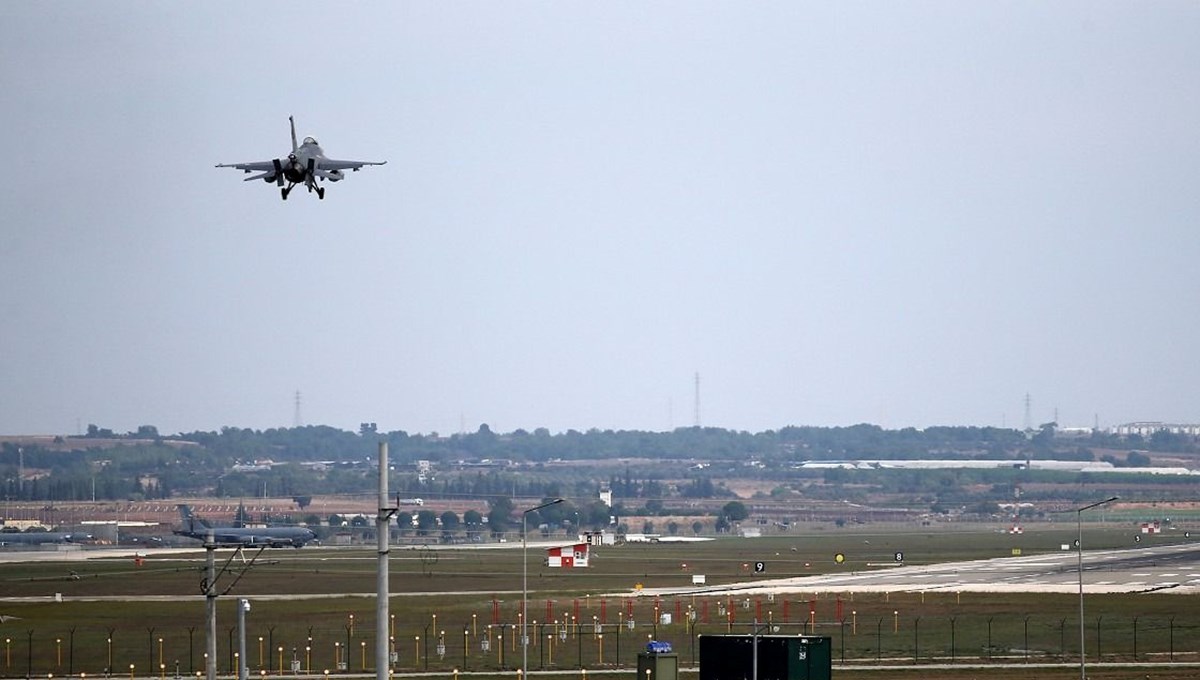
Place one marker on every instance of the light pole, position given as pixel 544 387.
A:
pixel 525 579
pixel 243 661
pixel 1079 553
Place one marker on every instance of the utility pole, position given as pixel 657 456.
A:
pixel 382 647
pixel 243 606
pixel 210 601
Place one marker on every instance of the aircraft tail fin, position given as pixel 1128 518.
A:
pixel 190 521
pixel 293 124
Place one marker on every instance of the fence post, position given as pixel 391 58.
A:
pixel 878 638
pixel 1171 624
pixel 916 639
pixel 989 645
pixel 843 638
pixel 1135 638
pixel 1062 638
pixel 1026 639
pixel 951 639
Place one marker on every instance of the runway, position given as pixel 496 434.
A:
pixel 1169 568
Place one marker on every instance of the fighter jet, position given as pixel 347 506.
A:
pixel 273 537
pixel 304 165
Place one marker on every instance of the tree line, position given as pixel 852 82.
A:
pixel 143 464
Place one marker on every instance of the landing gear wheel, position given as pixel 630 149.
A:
pixel 284 192
pixel 321 193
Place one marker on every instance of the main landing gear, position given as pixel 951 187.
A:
pixel 311 188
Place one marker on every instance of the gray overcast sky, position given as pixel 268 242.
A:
pixel 908 214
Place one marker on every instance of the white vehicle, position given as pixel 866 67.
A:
pixel 304 165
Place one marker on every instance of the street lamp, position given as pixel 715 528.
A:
pixel 525 578
pixel 1079 553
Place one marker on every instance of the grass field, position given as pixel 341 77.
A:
pixel 317 606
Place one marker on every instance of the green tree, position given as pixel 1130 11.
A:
pixel 450 523
pixel 500 515
pixel 734 511
pixel 404 522
pixel 1137 459
pixel 473 519
pixel 426 522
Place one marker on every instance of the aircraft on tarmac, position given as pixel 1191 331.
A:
pixel 255 537
pixel 38 537
pixel 304 165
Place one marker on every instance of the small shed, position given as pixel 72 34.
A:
pixel 567 556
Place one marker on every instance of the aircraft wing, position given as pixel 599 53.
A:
pixel 249 167
pixel 330 164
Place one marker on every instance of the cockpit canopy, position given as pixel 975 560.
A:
pixel 310 140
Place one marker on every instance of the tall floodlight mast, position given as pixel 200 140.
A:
pixel 382 648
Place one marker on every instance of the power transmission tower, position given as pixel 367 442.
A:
pixel 1028 413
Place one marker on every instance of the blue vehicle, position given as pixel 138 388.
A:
pixel 657 647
